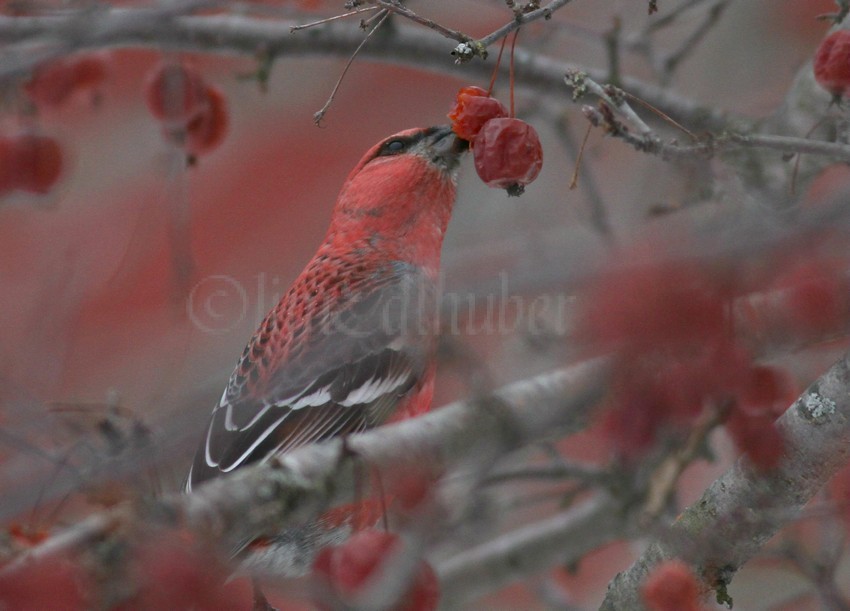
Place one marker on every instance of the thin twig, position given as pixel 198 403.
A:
pixel 668 18
pixel 598 214
pixel 579 156
pixel 613 96
pixel 672 60
pixel 312 24
pixel 541 13
pixel 403 11
pixel 661 114
pixel 496 67
pixel 317 118
pixel 662 482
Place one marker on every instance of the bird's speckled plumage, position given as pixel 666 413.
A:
pixel 351 342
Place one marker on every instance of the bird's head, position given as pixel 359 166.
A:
pixel 403 188
pixel 405 151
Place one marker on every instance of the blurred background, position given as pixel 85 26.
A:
pixel 128 291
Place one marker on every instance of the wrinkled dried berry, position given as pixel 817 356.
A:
pixel 507 154
pixel 472 109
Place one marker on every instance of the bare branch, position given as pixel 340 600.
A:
pixel 30 41
pixel 729 141
pixel 563 538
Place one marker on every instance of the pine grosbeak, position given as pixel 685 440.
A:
pixel 351 343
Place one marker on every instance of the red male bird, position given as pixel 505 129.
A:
pixel 352 342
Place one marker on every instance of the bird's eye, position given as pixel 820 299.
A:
pixel 393 146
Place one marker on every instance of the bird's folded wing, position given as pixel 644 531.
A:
pixel 349 372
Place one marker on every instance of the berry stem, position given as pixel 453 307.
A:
pixel 496 68
pixel 513 44
pixel 579 156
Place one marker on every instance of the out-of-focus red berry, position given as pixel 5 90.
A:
pixel 52 84
pixel 762 397
pixel 507 154
pixel 7 177
pixel 839 492
pixel 36 162
pixel 758 437
pixel 90 70
pixel 815 296
pixel 832 63
pixel 172 573
pixel 768 391
pixel 656 305
pixel 412 490
pixel 671 586
pixel 206 130
pixel 424 593
pixel 473 108
pixel 175 92
pixel 349 567
pixel 53 583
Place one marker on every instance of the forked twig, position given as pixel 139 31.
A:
pixel 317 118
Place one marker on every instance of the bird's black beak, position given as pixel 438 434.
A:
pixel 445 147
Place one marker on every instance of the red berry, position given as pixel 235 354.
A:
pixel 758 437
pixel 52 84
pixel 839 492
pixel 473 108
pixel 351 566
pixel 7 175
pixel 470 91
pixel 424 592
pixel 47 583
pixel 657 305
pixel 832 63
pixel 90 70
pixel 507 154
pixel 36 162
pixel 206 130
pixel 413 490
pixel 815 299
pixel 671 587
pixel 169 572
pixel 174 92
pixel 767 392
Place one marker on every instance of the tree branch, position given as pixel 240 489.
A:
pixel 564 538
pixel 744 508
pixel 298 486
pixel 30 41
